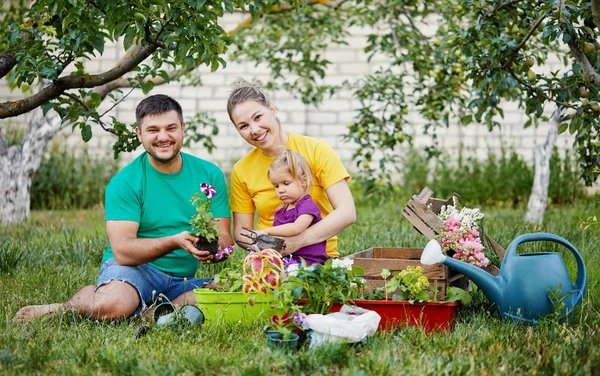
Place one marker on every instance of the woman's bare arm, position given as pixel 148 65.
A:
pixel 342 216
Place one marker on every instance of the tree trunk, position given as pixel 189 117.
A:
pixel 539 193
pixel 18 163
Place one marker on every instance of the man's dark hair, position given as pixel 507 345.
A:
pixel 155 105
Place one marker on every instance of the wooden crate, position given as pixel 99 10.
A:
pixel 373 260
pixel 422 211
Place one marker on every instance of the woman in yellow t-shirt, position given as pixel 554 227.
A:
pixel 255 119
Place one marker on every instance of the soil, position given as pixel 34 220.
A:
pixel 203 245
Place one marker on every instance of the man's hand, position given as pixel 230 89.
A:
pixel 186 241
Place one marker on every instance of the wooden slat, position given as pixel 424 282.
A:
pixel 435 204
pixel 397 253
pixel 499 250
pixel 418 223
pixel 373 267
pixel 367 253
pixel 427 216
pixel 425 194
pixel 373 284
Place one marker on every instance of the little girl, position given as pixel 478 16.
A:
pixel 292 180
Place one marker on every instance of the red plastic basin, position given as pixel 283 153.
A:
pixel 395 313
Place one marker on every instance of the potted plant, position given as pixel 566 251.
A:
pixel 247 289
pixel 283 333
pixel 318 287
pixel 203 223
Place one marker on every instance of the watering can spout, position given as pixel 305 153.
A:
pixel 432 254
pixel 490 285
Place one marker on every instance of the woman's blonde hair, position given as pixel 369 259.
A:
pixel 244 91
pixel 296 165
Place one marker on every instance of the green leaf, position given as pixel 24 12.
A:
pixel 574 125
pixel 466 120
pixel 98 44
pixel 563 127
pixel 454 294
pixel 47 107
pixel 86 132
pixel 423 296
pixel 129 35
pixel 146 86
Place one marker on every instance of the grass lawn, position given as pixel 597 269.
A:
pixel 57 253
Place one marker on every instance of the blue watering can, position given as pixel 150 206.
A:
pixel 522 289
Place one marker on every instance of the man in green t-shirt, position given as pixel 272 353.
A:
pixel 151 253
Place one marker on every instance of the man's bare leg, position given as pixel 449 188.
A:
pixel 114 300
pixel 33 312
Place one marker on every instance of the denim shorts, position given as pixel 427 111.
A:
pixel 151 283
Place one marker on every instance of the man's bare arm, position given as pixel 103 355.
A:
pixel 130 250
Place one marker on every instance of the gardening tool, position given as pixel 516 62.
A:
pixel 529 285
pixel 263 241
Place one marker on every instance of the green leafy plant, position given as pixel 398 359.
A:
pixel 203 223
pixel 230 278
pixel 385 273
pixel 414 286
pixel 411 282
pixel 288 315
pixel 455 294
pixel 336 281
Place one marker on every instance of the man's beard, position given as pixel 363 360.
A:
pixel 162 160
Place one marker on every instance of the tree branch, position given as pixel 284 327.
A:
pixel 596 12
pixel 81 103
pixel 122 83
pixel 502 5
pixel 148 34
pixel 286 8
pixel 7 62
pixel 537 91
pixel 588 70
pixel 515 52
pixel 7 59
pixel 56 88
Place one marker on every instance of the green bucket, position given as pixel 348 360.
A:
pixel 233 306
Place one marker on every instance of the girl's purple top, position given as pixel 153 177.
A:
pixel 306 205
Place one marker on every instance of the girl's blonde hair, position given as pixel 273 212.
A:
pixel 296 165
pixel 244 91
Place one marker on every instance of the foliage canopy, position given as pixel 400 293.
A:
pixel 447 60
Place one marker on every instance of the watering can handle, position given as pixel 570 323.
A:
pixel 580 282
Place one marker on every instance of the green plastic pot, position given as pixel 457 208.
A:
pixel 275 341
pixel 233 306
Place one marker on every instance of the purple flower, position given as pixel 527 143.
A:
pixel 223 253
pixel 287 261
pixel 208 190
pixel 299 317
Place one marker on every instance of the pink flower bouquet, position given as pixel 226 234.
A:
pixel 460 234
